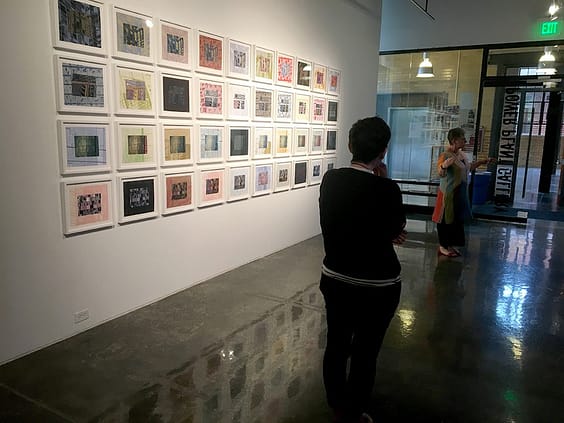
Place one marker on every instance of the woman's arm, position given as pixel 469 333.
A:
pixel 476 164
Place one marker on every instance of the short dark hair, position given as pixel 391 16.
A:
pixel 455 133
pixel 368 138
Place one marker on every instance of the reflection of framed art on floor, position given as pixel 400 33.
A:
pixel 136 145
pixel 282 176
pixel 133 35
pixel 239 180
pixel 174 45
pixel 211 187
pixel 176 144
pixel 137 197
pixel 135 91
pixel 210 143
pixel 177 191
pixel 85 146
pixel 176 92
pixel 81 85
pixel 210 53
pixel 239 64
pixel 262 179
pixel 87 204
pixel 79 25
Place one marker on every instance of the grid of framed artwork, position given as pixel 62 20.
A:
pixel 157 117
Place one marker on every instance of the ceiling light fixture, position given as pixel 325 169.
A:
pixel 553 10
pixel 546 63
pixel 425 69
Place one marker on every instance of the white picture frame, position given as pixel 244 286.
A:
pixel 333 81
pixel 175 99
pixel 299 173
pixel 332 111
pixel 283 141
pixel 283 106
pixel 304 70
pixel 263 100
pixel 80 25
pixel 239 56
pixel 316 140
pixel 282 175
pixel 133 35
pixel 302 108
pixel 211 186
pixel 262 142
pixel 87 204
pixel 262 178
pixel 82 85
pixel 209 99
pixel 319 78
pixel 177 144
pixel 318 110
pixel 85 146
pixel 331 140
pixel 136 144
pixel 300 141
pixel 329 163
pixel 239 181
pixel 177 191
pixel 138 196
pixel 285 69
pixel 239 102
pixel 209 53
pixel 240 142
pixel 134 90
pixel 211 143
pixel 175 44
pixel 315 173
pixel 264 65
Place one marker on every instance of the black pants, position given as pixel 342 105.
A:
pixel 451 234
pixel 357 320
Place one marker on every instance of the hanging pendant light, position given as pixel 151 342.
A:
pixel 553 10
pixel 425 69
pixel 546 63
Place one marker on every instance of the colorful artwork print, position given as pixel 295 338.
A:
pixel 137 146
pixel 135 90
pixel 284 106
pixel 239 182
pixel 283 141
pixel 178 191
pixel 133 35
pixel 174 44
pixel 263 142
pixel 282 176
pixel 138 197
pixel 211 52
pixel 302 108
pixel 263 178
pixel 319 78
pixel 87 206
pixel 176 94
pixel 285 69
pixel 83 85
pixel 333 81
pixel 211 143
pixel 211 187
pixel 177 144
pixel 86 146
pixel 264 63
pixel 239 59
pixel 80 23
pixel 263 104
pixel 318 110
pixel 211 98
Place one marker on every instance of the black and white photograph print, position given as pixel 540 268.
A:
pixel 138 196
pixel 176 95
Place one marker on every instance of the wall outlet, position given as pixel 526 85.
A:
pixel 81 316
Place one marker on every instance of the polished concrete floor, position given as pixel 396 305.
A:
pixel 475 339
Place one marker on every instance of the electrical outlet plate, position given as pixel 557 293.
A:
pixel 81 315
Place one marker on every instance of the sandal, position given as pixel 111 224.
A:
pixel 449 254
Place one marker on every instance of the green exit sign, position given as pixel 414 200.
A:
pixel 549 28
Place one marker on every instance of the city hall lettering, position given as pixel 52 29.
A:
pixel 507 142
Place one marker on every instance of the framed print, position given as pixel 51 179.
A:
pixel 136 146
pixel 333 81
pixel 282 176
pixel 317 138
pixel 176 92
pixel 81 86
pixel 239 181
pixel 210 53
pixel 282 141
pixel 263 103
pixel 211 187
pixel 315 171
pixel 303 74
pixel 239 65
pixel 302 108
pixel 329 163
pixel 301 141
pixel 79 25
pixel 87 204
pixel 84 146
pixel 332 111
pixel 132 35
pixel 299 177
pixel 174 45
pixel 239 142
pixel 262 179
pixel 262 142
pixel 331 140
pixel 210 99
pixel 177 191
pixel 318 108
pixel 284 106
pixel 238 102
pixel 264 65
pixel 138 195
pixel 285 71
pixel 210 143
pixel 176 144
pixel 134 90
pixel 319 78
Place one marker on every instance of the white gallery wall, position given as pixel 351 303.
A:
pixel 46 277
pixel 459 23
